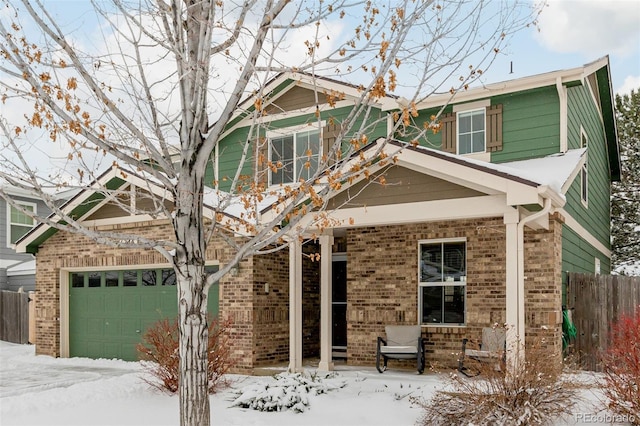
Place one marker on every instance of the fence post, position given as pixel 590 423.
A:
pixel 32 317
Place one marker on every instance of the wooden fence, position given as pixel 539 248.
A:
pixel 14 316
pixel 595 302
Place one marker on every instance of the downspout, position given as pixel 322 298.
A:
pixel 562 95
pixel 520 329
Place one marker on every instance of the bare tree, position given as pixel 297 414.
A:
pixel 156 93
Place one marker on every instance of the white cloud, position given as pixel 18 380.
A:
pixel 591 27
pixel 630 82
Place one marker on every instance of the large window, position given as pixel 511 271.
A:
pixel 442 282
pixel 471 131
pixel 20 223
pixel 295 155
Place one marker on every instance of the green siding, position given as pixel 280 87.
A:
pixel 595 217
pixel 230 148
pixel 523 137
pixel 530 124
pixel 579 256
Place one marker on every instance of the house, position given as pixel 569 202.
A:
pixel 477 224
pixel 17 270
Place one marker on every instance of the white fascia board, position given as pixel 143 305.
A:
pixel 510 86
pixel 423 211
pixel 21 246
pixel 583 233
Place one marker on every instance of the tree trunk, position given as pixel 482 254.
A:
pixel 189 263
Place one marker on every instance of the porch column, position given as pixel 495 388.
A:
pixel 326 364
pixel 514 316
pixel 295 306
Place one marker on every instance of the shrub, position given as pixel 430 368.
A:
pixel 159 354
pixel 621 367
pixel 532 393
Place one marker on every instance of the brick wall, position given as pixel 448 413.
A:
pixel 271 310
pixel 383 283
pixel 543 275
pixel 64 250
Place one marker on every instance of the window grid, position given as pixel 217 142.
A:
pixel 442 282
pixel 471 131
pixel 298 153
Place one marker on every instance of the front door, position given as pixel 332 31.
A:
pixel 339 305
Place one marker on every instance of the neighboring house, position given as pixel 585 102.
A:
pixel 477 224
pixel 17 270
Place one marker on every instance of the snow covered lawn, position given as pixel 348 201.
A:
pixel 40 390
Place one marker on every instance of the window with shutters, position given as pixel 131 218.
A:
pixel 294 154
pixel 471 128
pixel 472 131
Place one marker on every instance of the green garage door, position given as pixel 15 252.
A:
pixel 109 311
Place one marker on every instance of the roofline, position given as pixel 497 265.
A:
pixel 515 85
pixel 456 160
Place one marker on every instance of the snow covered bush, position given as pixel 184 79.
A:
pixel 533 393
pixel 159 354
pixel 621 366
pixel 290 391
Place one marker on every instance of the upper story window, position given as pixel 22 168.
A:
pixel 584 173
pixel 442 282
pixel 294 153
pixel 19 223
pixel 471 128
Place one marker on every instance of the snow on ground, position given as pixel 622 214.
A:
pixel 40 390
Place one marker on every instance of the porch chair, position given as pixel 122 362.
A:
pixel 402 342
pixel 492 350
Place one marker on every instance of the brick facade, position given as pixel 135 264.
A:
pixel 260 331
pixel 382 288
pixel 383 284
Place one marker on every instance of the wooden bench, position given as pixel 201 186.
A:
pixel 402 342
pixel 492 349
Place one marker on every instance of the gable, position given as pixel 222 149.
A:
pixel 403 185
pixel 294 99
pixel 130 201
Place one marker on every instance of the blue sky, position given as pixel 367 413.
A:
pixel 571 33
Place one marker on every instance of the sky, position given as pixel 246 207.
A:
pixel 570 33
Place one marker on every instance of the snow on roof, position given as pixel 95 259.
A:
pixel 554 171
pixel 23 268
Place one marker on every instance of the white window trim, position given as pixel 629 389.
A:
pixel 584 180
pixel 9 223
pixel 484 130
pixel 286 131
pixel 441 283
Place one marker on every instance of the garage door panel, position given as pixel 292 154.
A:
pixel 112 350
pixel 113 301
pixel 131 327
pixel 95 302
pixel 95 327
pixel 95 349
pixel 112 327
pixel 131 302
